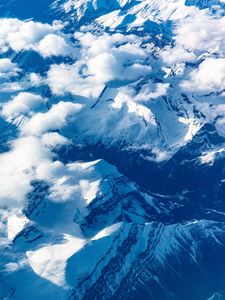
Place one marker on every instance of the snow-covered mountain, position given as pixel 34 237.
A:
pixel 112 149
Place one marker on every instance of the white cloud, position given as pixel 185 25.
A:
pixel 201 31
pixel 76 181
pixel 23 103
pixel 29 159
pixel 17 169
pixel 54 139
pixel 54 119
pixel 209 77
pixel 35 79
pixel 7 69
pixel 104 67
pixel 64 184
pixel 6 66
pixel 126 62
pixel 54 45
pixel 29 35
pixel 198 33
pixel 103 59
pixel 20 35
pixel 107 67
pixel 15 266
pixel 177 55
pixel 73 81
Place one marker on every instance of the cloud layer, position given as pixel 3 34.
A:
pixel 44 38
pixel 113 88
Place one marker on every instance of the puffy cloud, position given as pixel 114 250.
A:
pixel 177 55
pixel 35 79
pixel 103 60
pixel 54 45
pixel 104 67
pixel 30 156
pixel 115 58
pixel 6 66
pixel 23 103
pixel 209 77
pixel 29 159
pixel 107 67
pixel 22 164
pixel 7 69
pixel 29 35
pixel 105 41
pixel 195 59
pixel 73 81
pixel 11 83
pixel 20 35
pixel 53 139
pixel 74 181
pixel 54 119
pixel 201 31
pixel 198 33
pixel 64 184
pixel 17 170
pixel 12 267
